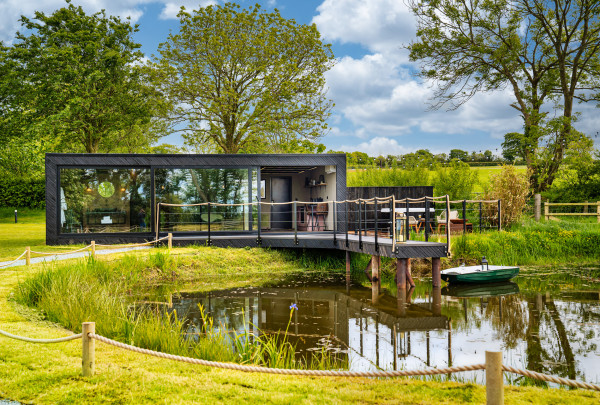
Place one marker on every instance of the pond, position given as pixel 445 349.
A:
pixel 547 322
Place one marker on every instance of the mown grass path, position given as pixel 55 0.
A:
pixel 51 374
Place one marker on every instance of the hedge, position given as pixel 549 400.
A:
pixel 29 193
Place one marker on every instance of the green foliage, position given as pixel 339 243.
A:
pixel 78 83
pixel 418 176
pixel 512 187
pixel 245 80
pixel 20 159
pixel 456 180
pixel 16 192
pixel 533 243
pixel 579 179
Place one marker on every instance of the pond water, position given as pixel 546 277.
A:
pixel 548 322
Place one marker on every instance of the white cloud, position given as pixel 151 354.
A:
pixel 378 146
pixel 378 25
pixel 12 10
pixel 172 8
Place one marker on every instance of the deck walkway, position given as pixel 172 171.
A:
pixel 320 240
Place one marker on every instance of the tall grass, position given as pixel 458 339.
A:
pixel 111 294
pixel 533 243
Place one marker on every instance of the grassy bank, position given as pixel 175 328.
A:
pixel 51 373
pixel 533 243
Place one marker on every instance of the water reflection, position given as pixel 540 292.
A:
pixel 554 332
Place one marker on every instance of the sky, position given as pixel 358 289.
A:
pixel 381 107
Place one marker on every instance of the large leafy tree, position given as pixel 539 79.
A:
pixel 244 79
pixel 81 83
pixel 542 50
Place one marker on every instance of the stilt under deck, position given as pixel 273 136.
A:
pixel 403 251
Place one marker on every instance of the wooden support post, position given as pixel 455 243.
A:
pixel 436 276
pixel 598 210
pixel 88 357
pixel 494 379
pixel 347 266
pixel 93 249
pixel 538 206
pixel 547 211
pixel 401 300
pixel 375 264
pixel 401 271
pixel 28 256
pixel 170 241
pixel 409 278
pixel 585 207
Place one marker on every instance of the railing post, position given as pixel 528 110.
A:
pixel 426 219
pixel 393 219
pixel 347 222
pixel 170 241
pixel 494 379
pixel 258 239
pixel 360 246
pixel 407 221
pixel 88 355
pixel 334 223
pixel 480 216
pixel 295 216
pixel 464 207
pixel 208 241
pixel 499 214
pixel 93 249
pixel 28 256
pixel 448 223
pixel 376 229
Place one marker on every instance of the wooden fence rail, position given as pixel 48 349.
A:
pixel 586 208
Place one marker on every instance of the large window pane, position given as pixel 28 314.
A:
pixel 193 186
pixel 104 200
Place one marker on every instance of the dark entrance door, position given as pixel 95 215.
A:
pixel 281 191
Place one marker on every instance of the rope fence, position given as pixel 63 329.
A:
pixel 493 365
pixel 92 247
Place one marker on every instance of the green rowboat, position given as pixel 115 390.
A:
pixel 479 274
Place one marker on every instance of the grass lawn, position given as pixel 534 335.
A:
pixel 484 173
pixel 51 374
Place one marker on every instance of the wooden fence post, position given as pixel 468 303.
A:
pixel 170 241
pixel 88 357
pixel 494 378
pixel 546 211
pixel 585 207
pixel 93 249
pixel 598 210
pixel 28 256
pixel 538 207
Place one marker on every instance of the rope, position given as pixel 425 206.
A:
pixel 30 340
pixel 259 369
pixel 61 253
pixel 550 378
pixel 14 261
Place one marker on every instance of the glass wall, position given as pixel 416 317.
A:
pixel 105 200
pixel 234 187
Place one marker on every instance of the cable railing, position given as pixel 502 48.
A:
pixel 379 218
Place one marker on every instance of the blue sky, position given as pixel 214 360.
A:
pixel 381 107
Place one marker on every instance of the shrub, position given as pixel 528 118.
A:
pixel 457 180
pixel 512 188
pixel 15 192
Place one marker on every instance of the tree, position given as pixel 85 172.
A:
pixel 459 154
pixel 244 77
pixel 81 83
pixel 540 49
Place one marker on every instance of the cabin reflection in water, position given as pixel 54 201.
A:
pixel 344 321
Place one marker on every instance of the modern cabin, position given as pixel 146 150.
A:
pixel 120 198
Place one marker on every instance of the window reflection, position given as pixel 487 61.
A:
pixel 104 200
pixel 194 186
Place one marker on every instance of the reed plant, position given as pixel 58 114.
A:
pixel 112 295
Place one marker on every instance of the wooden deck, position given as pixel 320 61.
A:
pixel 319 240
